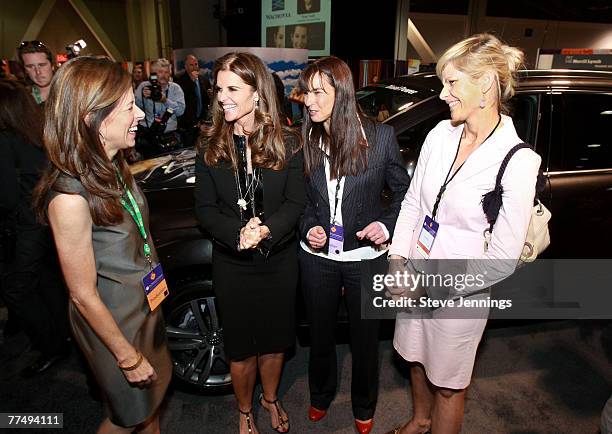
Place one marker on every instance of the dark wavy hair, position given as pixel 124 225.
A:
pixel 269 137
pixel 345 141
pixel 83 94
pixel 19 113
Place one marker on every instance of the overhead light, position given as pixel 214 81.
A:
pixel 606 112
pixel 594 145
pixel 559 82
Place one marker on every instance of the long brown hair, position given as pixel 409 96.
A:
pixel 345 141
pixel 19 113
pixel 83 93
pixel 268 138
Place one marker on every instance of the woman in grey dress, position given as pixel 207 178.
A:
pixel 99 219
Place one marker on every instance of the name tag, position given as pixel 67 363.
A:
pixel 427 237
pixel 155 287
pixel 336 240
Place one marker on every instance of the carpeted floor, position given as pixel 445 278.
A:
pixel 541 378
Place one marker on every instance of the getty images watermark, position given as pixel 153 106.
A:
pixel 491 288
pixel 404 289
pixel 455 288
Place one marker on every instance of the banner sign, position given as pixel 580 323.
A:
pixel 296 24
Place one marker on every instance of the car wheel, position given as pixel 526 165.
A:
pixel 195 338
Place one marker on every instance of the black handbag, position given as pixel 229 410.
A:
pixel 538 236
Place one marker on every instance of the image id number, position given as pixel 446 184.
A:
pixel 28 420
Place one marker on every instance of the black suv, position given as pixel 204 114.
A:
pixel 566 115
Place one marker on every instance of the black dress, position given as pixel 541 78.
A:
pixel 255 288
pixel 30 281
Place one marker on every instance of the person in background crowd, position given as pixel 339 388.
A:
pixel 138 75
pixel 249 195
pixel 348 160
pixel 37 61
pixel 30 280
pixel 284 103
pixel 458 164
pixel 99 219
pixel 170 97
pixel 195 88
pixel 299 37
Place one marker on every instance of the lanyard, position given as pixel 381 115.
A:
pixel 36 94
pixel 447 180
pixel 338 180
pixel 132 207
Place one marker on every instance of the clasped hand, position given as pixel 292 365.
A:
pixel 252 234
pixel 317 237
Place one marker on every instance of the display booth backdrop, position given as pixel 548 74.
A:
pixel 288 63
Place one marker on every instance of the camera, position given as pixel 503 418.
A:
pixel 73 50
pixel 155 88
pixel 158 126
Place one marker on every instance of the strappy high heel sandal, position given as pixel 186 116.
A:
pixel 247 414
pixel 283 422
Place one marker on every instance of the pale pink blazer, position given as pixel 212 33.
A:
pixel 460 215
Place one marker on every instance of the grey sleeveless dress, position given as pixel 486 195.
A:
pixel 120 265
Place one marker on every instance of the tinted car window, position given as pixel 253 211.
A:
pixel 581 133
pixel 375 100
pixel 413 138
pixel 524 113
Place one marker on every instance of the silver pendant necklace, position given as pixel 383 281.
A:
pixel 250 191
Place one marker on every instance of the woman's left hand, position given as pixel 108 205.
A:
pixel 373 232
pixel 252 234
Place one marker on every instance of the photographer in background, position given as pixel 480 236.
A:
pixel 163 102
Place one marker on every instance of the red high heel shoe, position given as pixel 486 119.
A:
pixel 364 427
pixel 315 415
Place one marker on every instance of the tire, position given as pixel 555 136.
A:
pixel 195 338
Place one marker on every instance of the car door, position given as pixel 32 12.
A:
pixel 579 169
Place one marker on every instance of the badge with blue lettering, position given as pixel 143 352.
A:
pixel 427 237
pixel 155 287
pixel 336 239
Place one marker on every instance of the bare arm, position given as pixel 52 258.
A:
pixel 71 223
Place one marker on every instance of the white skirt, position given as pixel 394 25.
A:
pixel 445 344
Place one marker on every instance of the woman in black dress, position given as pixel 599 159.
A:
pixel 249 196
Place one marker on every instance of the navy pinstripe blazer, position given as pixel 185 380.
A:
pixel 361 198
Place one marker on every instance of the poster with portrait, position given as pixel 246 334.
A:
pixel 297 24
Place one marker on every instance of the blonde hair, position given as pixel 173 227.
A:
pixel 481 53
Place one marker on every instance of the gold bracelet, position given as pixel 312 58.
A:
pixel 135 365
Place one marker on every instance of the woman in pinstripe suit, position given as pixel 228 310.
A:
pixel 348 159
